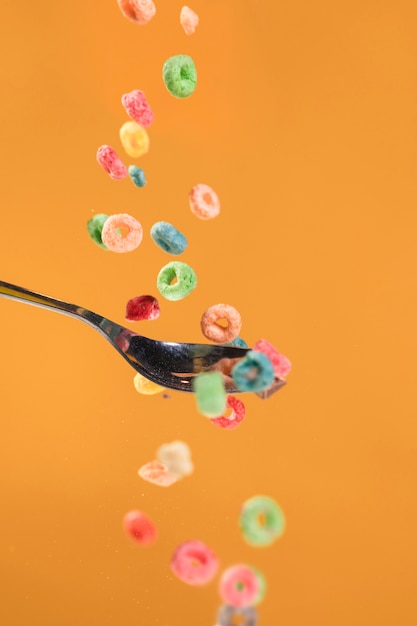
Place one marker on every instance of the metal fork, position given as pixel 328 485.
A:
pixel 169 364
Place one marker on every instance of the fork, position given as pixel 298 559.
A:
pixel 169 364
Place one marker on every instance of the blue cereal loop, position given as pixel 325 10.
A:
pixel 137 175
pixel 254 372
pixel 237 342
pixel 167 237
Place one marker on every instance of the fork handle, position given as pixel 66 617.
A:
pixel 31 297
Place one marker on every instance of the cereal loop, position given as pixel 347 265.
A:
pixel 111 163
pixel 112 233
pixel 204 202
pixel 240 585
pixel 157 473
pixel 194 563
pixel 254 372
pixel 142 308
pixel 183 274
pixel 261 521
pixel 229 615
pixel 140 528
pixel 177 458
pixel 210 393
pixel 145 386
pixel 139 11
pixel 137 175
pixel 137 107
pixel 134 138
pixel 188 20
pixel 168 238
pixel 94 228
pixel 180 75
pixel 232 421
pixel 216 332
pixel 280 363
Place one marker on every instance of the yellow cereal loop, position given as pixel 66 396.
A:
pixel 145 386
pixel 134 138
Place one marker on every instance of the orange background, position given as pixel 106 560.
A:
pixel 304 121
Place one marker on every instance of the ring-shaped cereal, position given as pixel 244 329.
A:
pixel 138 11
pixel 111 163
pixel 215 332
pixel 180 75
pixel 254 372
pixel 188 20
pixel 168 238
pixel 114 239
pixel 227 615
pixel 183 274
pixel 134 138
pixel 95 226
pixel 140 527
pixel 204 202
pixel 194 563
pixel 280 363
pixel 157 473
pixel 137 107
pixel 261 521
pixel 241 585
pixel 238 413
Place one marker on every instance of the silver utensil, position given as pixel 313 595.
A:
pixel 169 364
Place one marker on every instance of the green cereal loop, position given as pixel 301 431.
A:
pixel 261 521
pixel 210 393
pixel 180 75
pixel 95 226
pixel 262 586
pixel 186 280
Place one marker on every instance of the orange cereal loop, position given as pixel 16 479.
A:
pixel 188 20
pixel 204 202
pixel 139 11
pixel 212 328
pixel 113 234
pixel 145 386
pixel 157 473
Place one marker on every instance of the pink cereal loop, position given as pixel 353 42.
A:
pixel 204 202
pixel 188 20
pixel 137 107
pixel 139 11
pixel 116 241
pixel 281 365
pixel 194 563
pixel 239 586
pixel 111 162
pixel 213 331
pixel 157 473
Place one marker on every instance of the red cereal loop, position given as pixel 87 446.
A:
pixel 194 563
pixel 111 163
pixel 204 202
pixel 157 473
pixel 232 421
pixel 142 308
pixel 213 331
pixel 115 240
pixel 137 107
pixel 281 365
pixel 139 11
pixel 140 528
